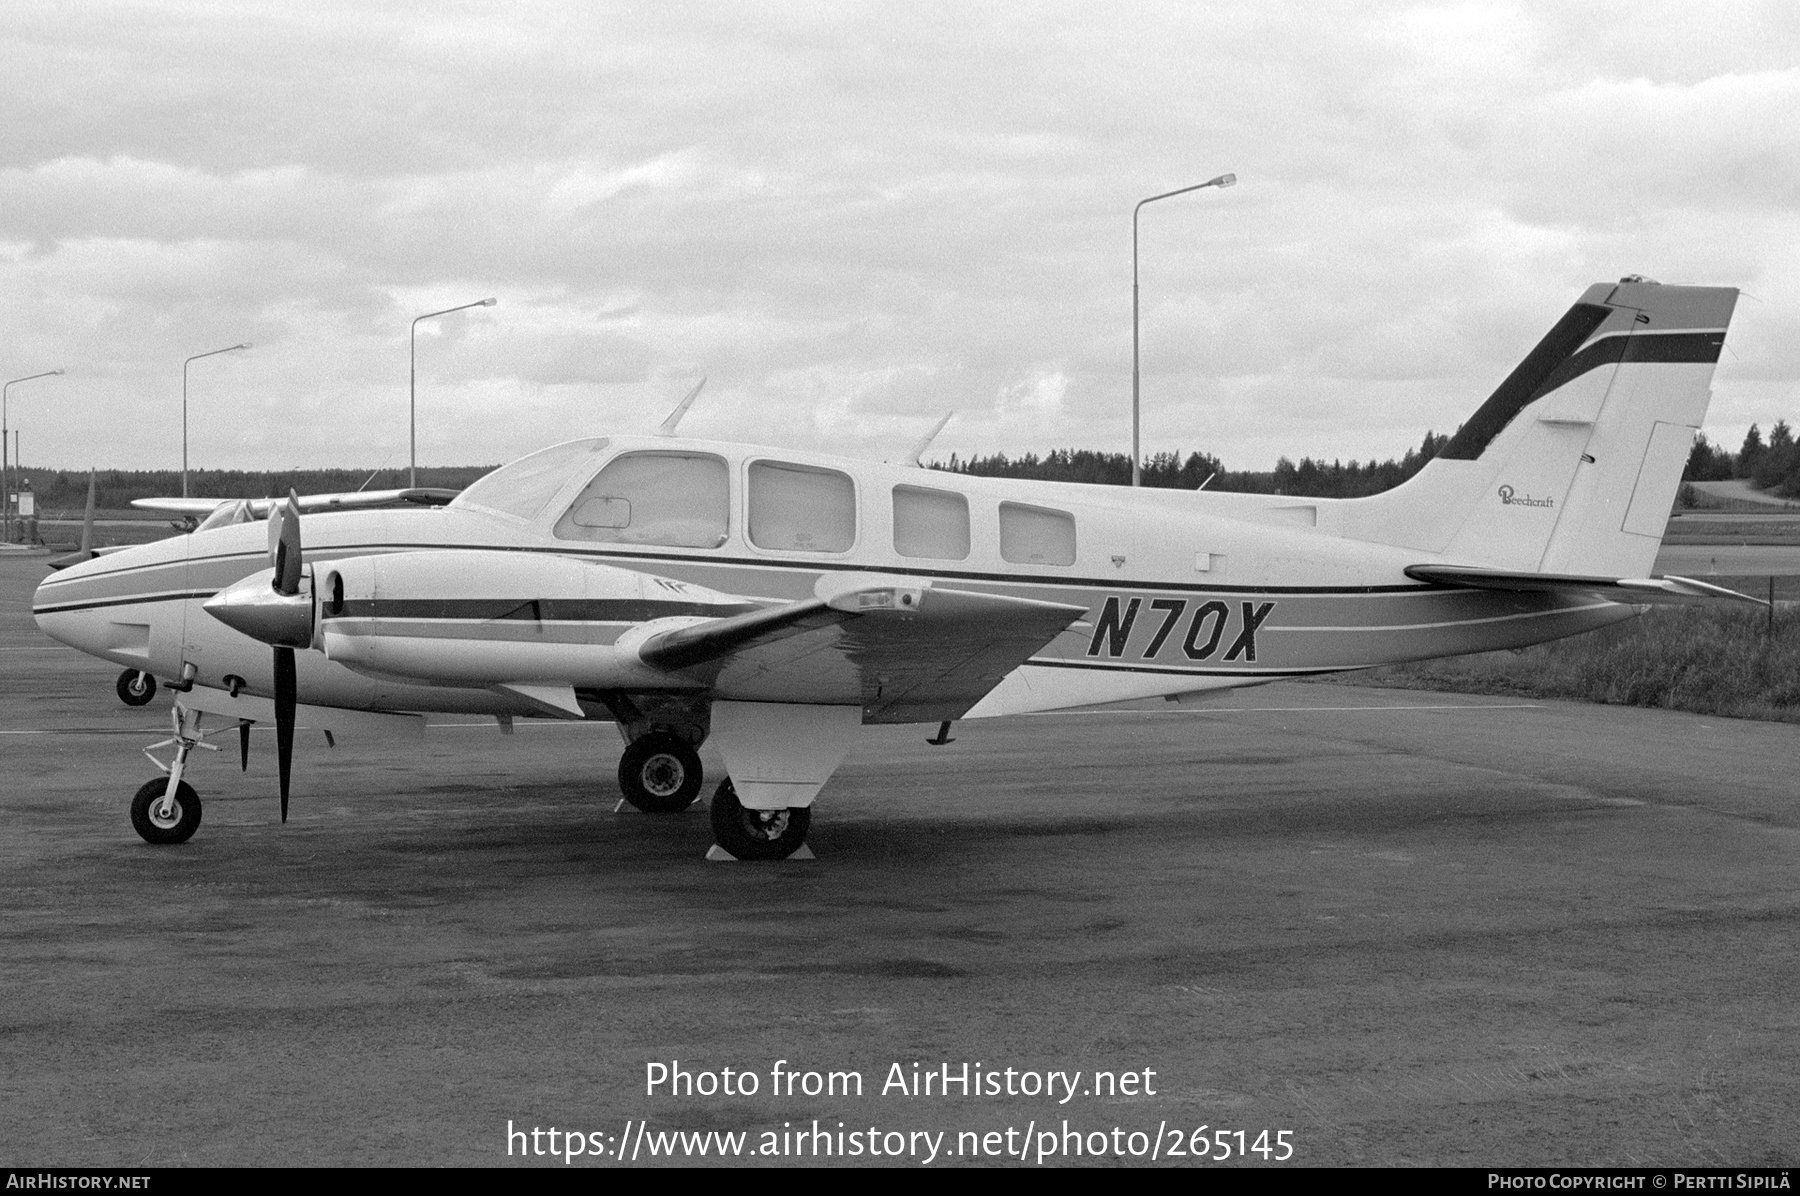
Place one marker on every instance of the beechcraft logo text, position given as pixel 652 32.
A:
pixel 1512 498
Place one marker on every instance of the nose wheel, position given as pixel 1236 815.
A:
pixel 136 688
pixel 660 774
pixel 757 834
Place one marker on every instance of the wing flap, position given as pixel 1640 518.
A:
pixel 1631 590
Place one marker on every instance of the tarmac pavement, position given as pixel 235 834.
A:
pixel 1403 927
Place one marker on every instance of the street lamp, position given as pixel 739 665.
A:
pixel 412 386
pixel 5 471
pixel 184 369
pixel 1224 180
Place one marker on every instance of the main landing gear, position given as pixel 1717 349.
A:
pixel 660 773
pixel 757 834
pixel 136 688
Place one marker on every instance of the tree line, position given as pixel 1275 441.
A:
pixel 1308 478
pixel 1773 465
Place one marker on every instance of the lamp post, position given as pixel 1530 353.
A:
pixel 5 470
pixel 1224 180
pixel 412 385
pixel 184 372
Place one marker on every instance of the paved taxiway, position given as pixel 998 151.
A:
pixel 1406 927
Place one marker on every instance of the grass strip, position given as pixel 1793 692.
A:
pixel 1701 659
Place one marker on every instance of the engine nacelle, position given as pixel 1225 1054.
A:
pixel 476 618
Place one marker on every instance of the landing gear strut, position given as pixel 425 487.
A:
pixel 660 773
pixel 136 688
pixel 757 834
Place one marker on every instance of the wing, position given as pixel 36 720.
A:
pixel 1631 590
pixel 904 649
pixel 258 507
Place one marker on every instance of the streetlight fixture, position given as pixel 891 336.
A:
pixel 184 372
pixel 1224 180
pixel 5 470
pixel 412 385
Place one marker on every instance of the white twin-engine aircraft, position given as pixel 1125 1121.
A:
pixel 772 602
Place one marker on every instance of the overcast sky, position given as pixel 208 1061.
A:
pixel 854 218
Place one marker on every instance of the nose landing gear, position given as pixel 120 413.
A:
pixel 164 813
pixel 167 810
pixel 136 688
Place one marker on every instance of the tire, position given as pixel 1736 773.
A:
pixel 757 834
pixel 164 832
pixel 136 688
pixel 660 774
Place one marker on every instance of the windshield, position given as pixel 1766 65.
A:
pixel 525 487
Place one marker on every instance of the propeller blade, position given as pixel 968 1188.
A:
pixel 285 698
pixel 284 546
pixel 244 746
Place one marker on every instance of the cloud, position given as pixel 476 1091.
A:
pixel 852 219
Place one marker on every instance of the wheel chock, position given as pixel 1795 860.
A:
pixel 718 854
pixel 624 807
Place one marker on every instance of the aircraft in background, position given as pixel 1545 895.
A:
pixel 136 687
pixel 773 602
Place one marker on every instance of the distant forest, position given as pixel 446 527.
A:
pixel 1773 465
pixel 1308 479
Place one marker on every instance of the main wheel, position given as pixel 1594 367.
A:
pixel 176 827
pixel 136 688
pixel 757 834
pixel 660 774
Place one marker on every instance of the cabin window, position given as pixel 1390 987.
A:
pixel 931 523
pixel 801 509
pixel 674 500
pixel 1036 535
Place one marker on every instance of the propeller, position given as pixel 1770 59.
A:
pixel 284 554
pixel 273 608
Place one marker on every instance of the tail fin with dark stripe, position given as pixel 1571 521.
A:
pixel 1571 466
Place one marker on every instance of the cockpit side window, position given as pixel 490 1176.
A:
pixel 524 488
pixel 1036 535
pixel 931 523
pixel 801 508
pixel 675 500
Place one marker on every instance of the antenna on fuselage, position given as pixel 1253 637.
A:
pixel 668 425
pixel 918 451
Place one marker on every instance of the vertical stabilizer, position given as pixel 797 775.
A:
pixel 1571 466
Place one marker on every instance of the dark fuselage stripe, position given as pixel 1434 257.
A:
pixel 556 610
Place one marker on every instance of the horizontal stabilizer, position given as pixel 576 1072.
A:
pixel 1672 590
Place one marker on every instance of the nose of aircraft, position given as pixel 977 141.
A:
pixel 77 606
pixel 253 607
